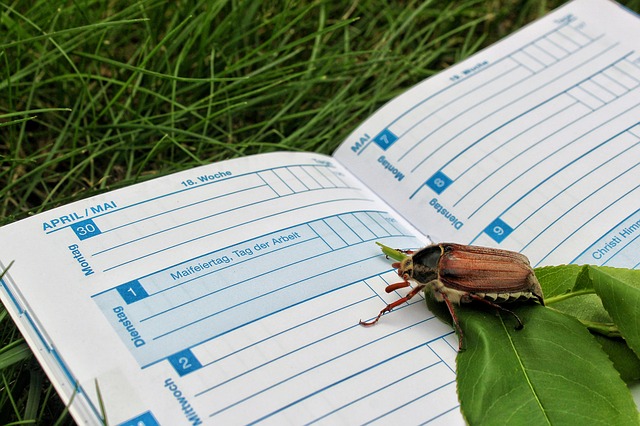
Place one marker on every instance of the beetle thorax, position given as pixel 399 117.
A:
pixel 423 274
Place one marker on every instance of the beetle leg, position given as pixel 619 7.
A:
pixel 394 287
pixel 495 305
pixel 398 302
pixel 456 324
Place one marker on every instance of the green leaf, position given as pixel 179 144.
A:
pixel 557 280
pixel 560 281
pixel 392 253
pixel 550 372
pixel 623 358
pixel 583 280
pixel 619 290
pixel 14 353
pixel 561 285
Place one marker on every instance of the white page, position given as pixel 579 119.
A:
pixel 228 294
pixel 254 339
pixel 531 145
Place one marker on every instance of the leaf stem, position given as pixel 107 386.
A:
pixel 607 329
pixel 561 297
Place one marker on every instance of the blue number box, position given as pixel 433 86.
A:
pixel 385 139
pixel 144 419
pixel 184 362
pixel 132 292
pixel 498 230
pixel 85 229
pixel 439 182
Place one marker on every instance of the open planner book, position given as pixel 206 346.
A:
pixel 231 293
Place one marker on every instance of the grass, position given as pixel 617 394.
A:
pixel 100 94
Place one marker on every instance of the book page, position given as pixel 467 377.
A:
pixel 228 294
pixel 531 145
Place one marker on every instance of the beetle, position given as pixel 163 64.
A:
pixel 458 273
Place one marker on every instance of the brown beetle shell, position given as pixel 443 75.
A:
pixel 498 275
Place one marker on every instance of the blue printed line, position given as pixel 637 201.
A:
pixel 364 147
pixel 514 158
pixel 384 224
pixel 176 265
pixel 275 312
pixel 174 210
pixel 500 127
pixel 444 385
pixel 282 180
pixel 297 178
pixel 570 39
pixel 326 243
pixel 355 217
pixel 504 107
pixel 259 174
pixel 323 172
pixel 312 178
pixel 381 231
pixel 484 100
pixel 282 356
pixel 416 191
pixel 519 134
pixel 560 169
pixel 73 382
pixel 533 58
pixel 540 141
pixel 452 369
pixel 370 394
pixel 615 96
pixel 227 287
pixel 283 332
pixel 453 84
pixel 227 228
pixel 580 101
pixel 607 232
pixel 455 117
pixel 625 89
pixel 335 232
pixel 188 222
pixel 199 185
pixel 550 40
pixel 418 298
pixel 577 204
pixel 244 302
pixel 5 285
pixel 340 218
pixel 574 183
pixel 328 181
pixel 585 223
pixel 148 200
pixel 322 364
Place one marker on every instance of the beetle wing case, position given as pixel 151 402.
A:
pixel 488 271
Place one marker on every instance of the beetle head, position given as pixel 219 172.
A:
pixel 405 268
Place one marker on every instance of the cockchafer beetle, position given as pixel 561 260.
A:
pixel 457 273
